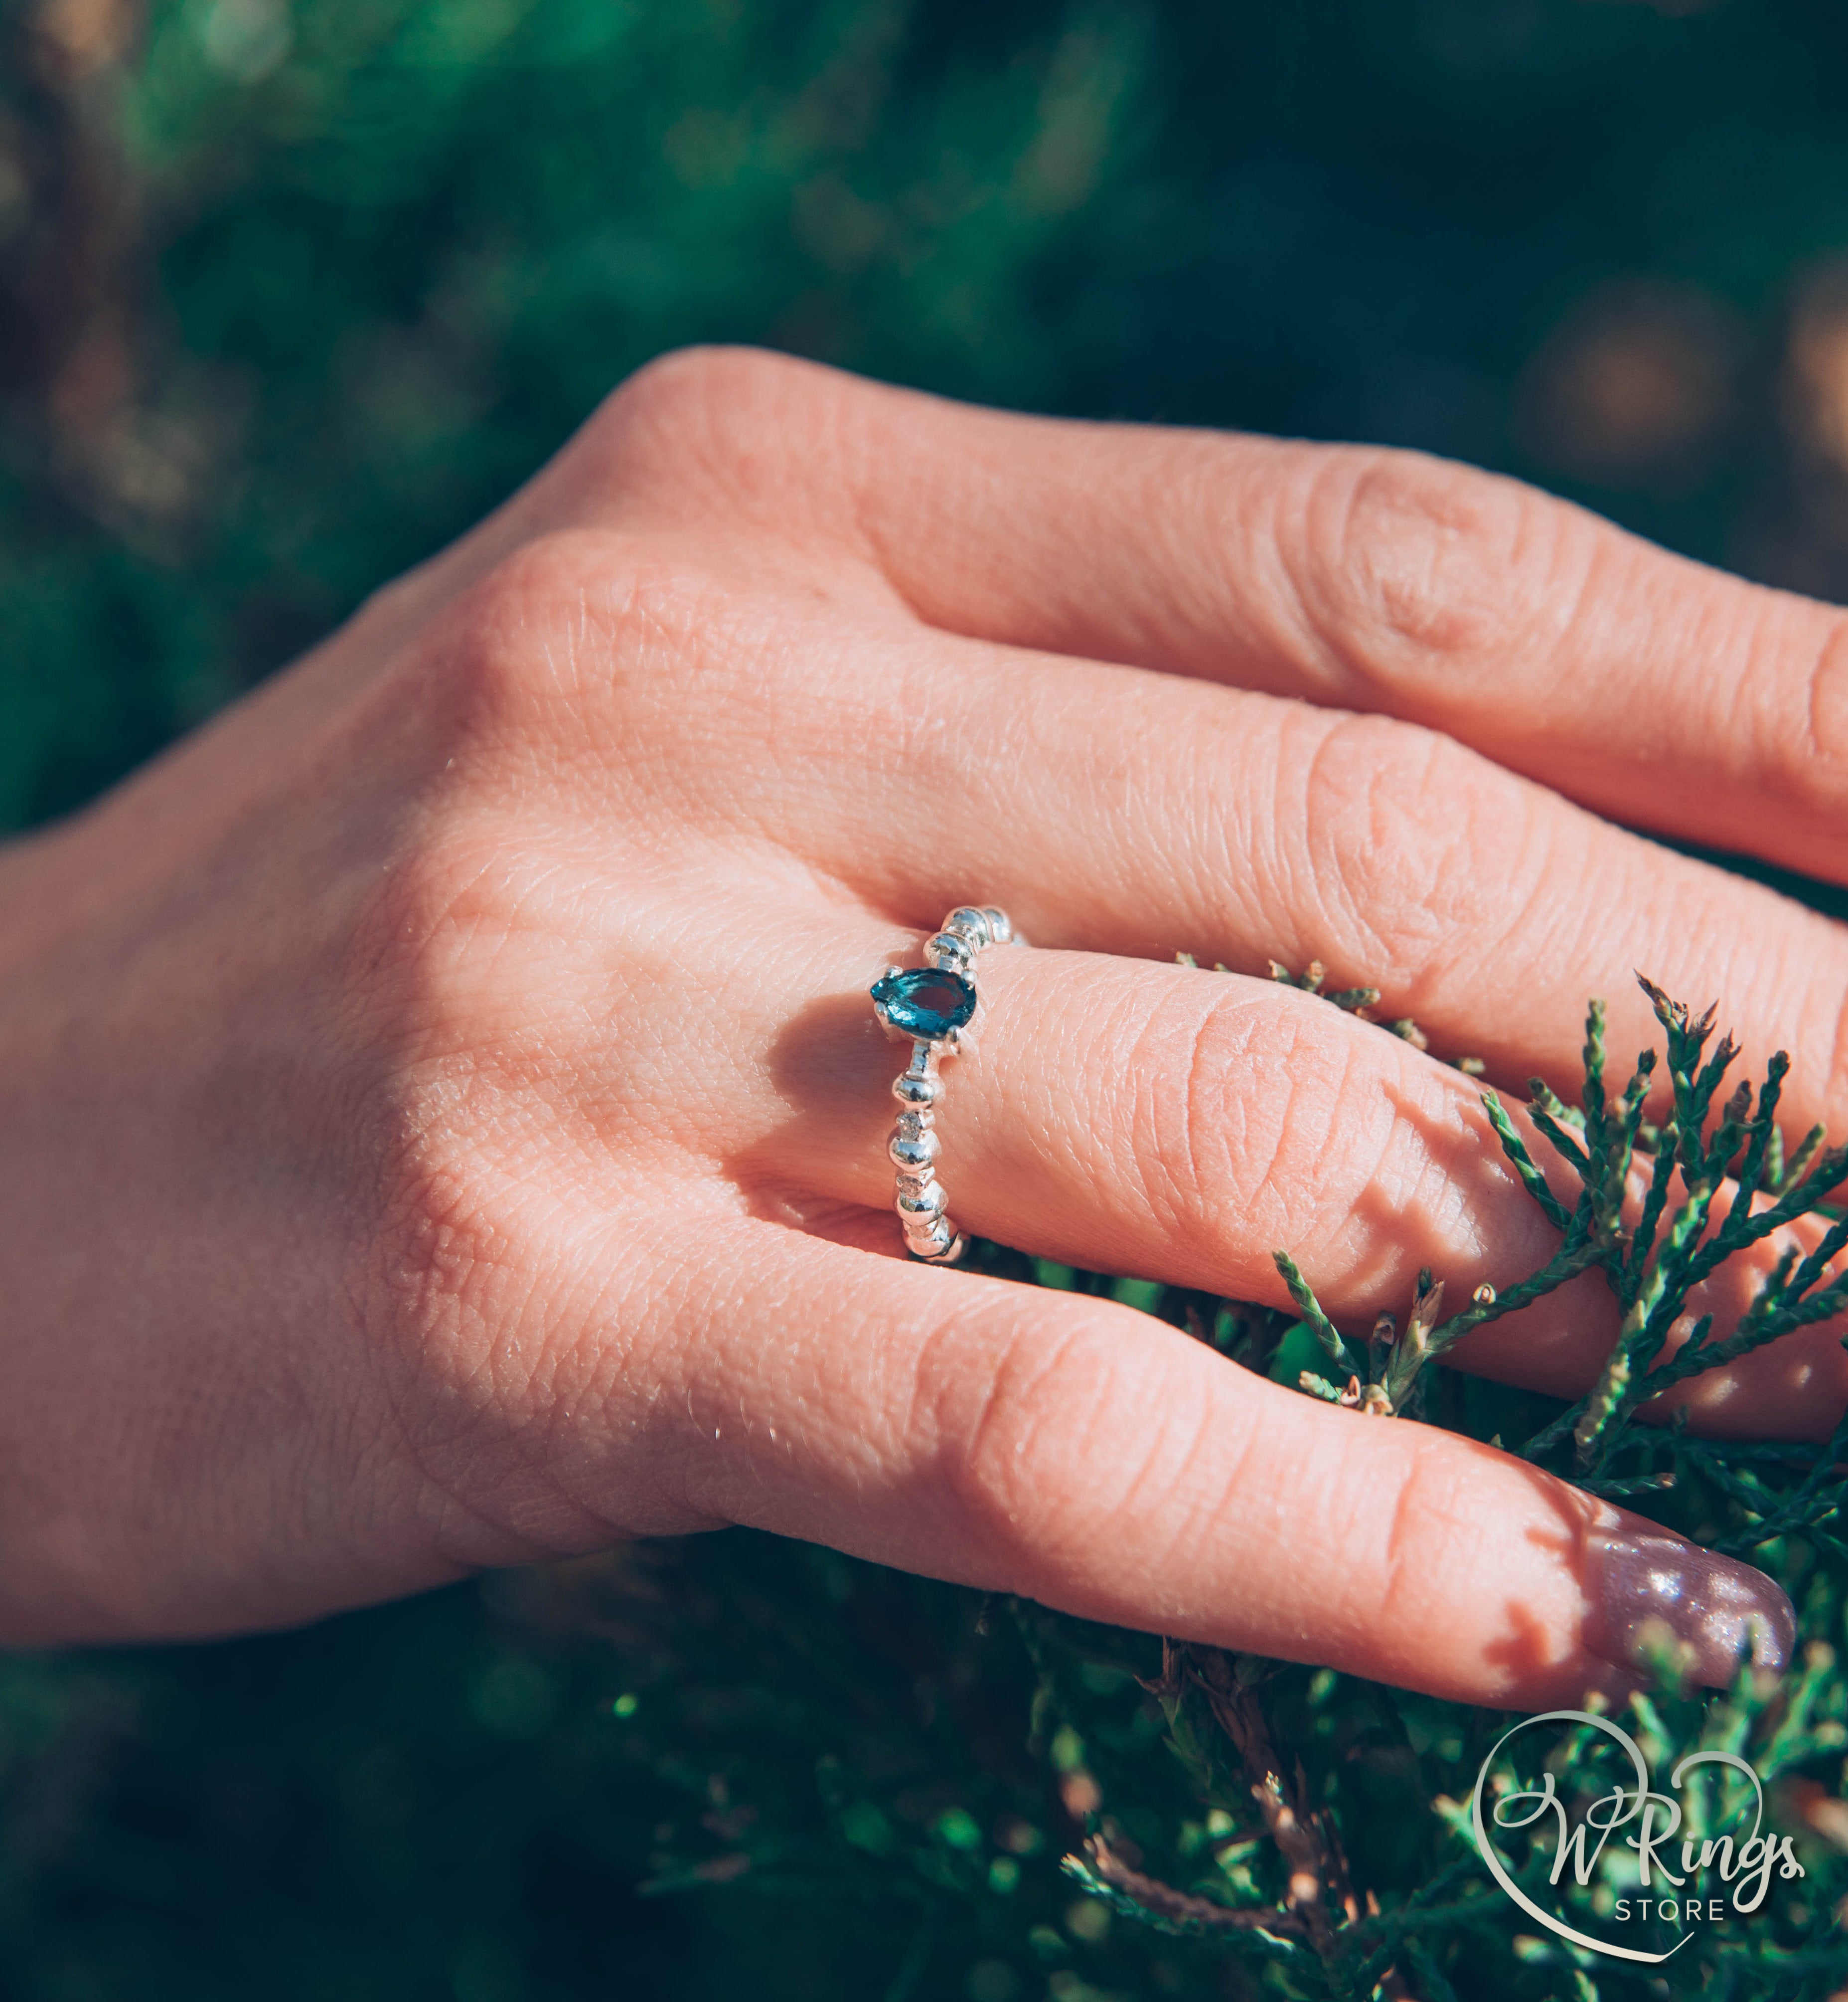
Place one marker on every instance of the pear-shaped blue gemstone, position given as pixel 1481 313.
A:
pixel 927 1001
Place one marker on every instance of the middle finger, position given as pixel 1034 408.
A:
pixel 1135 813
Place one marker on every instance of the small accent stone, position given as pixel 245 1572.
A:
pixel 926 1002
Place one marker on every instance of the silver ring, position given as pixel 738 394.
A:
pixel 931 1007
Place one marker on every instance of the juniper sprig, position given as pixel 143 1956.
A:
pixel 1659 1209
pixel 1714 1182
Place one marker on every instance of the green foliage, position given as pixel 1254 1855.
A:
pixel 1716 1188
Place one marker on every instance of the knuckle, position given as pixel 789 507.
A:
pixel 1419 848
pixel 446 1281
pixel 432 927
pixel 686 382
pixel 1104 1435
pixel 1061 1438
pixel 1431 1520
pixel 1207 1145
pixel 563 627
pixel 500 654
pixel 1039 1398
pixel 471 1225
pixel 737 421
pixel 1407 565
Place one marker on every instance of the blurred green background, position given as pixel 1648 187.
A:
pixel 290 293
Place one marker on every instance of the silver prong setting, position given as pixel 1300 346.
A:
pixel 915 1146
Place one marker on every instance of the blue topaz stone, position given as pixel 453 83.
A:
pixel 929 1006
pixel 926 1002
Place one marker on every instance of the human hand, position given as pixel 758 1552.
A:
pixel 446 1124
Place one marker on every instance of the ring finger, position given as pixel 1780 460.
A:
pixel 1138 1118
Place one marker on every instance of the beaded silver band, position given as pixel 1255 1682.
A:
pixel 930 1007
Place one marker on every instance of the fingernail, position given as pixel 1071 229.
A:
pixel 1646 1586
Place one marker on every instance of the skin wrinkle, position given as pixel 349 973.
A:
pixel 633 614
pixel 997 1459
pixel 1204 1078
pixel 1390 522
pixel 1286 654
pixel 1823 717
pixel 1746 747
pixel 617 1351
pixel 1291 883
pixel 1221 862
pixel 492 1375
pixel 1170 1100
pixel 1525 917
pixel 1386 893
pixel 1571 590
pixel 1187 489
pixel 1427 1499
pixel 1146 1108
pixel 708 413
pixel 1276 1192
pixel 1194 1469
pixel 1292 612
pixel 1366 1155
pixel 1415 1183
pixel 1146 1484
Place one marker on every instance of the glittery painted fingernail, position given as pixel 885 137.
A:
pixel 1646 1586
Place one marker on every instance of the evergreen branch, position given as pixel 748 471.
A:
pixel 1782 1451
pixel 1740 1485
pixel 1433 1985
pixel 1303 1835
pixel 1638 1346
pixel 1592 1095
pixel 1603 1404
pixel 1743 1226
pixel 1798 1165
pixel 1764 1127
pixel 1102 1873
pixel 1551 1116
pixel 1409 1920
pixel 1638 1483
pixel 1704 1087
pixel 1310 1308
pixel 1754 1331
pixel 1515 1148
pixel 1551 1432
pixel 1812 1268
pixel 1489 1305
pixel 1643 1240
pixel 1807 1506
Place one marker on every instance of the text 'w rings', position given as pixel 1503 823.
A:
pixel 931 1006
